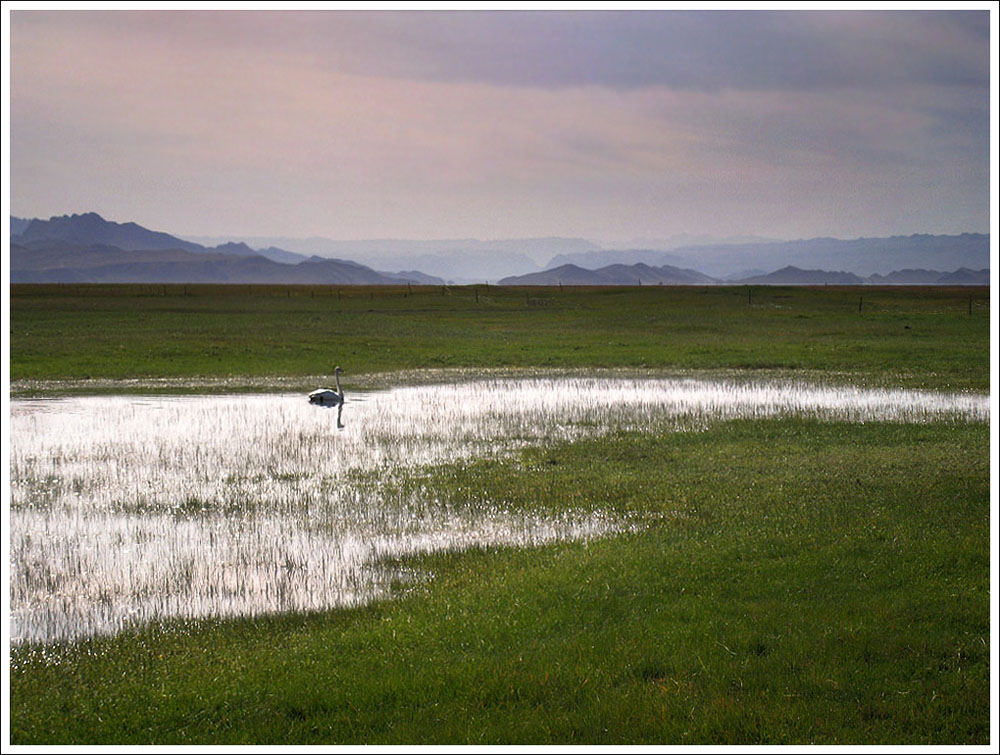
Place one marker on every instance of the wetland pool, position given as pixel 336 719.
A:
pixel 126 510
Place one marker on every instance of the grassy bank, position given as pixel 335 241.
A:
pixel 797 582
pixel 916 337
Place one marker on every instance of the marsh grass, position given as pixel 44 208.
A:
pixel 125 510
pixel 795 579
pixel 801 582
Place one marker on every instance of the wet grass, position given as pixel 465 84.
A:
pixel 210 506
pixel 911 337
pixel 800 582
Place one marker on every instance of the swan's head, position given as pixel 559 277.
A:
pixel 337 370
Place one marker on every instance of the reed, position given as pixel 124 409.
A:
pixel 125 510
pixel 795 581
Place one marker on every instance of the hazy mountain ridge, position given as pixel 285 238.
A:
pixel 682 240
pixel 282 255
pixel 90 228
pixel 62 255
pixel 645 275
pixel 454 260
pixel 62 262
pixel 539 248
pixel 17 225
pixel 906 277
pixel 471 260
pixel 612 275
pixel 595 260
pixel 862 256
pixel 795 276
pixel 79 248
pixel 965 277
pixel 87 241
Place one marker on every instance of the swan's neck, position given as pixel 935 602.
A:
pixel 339 389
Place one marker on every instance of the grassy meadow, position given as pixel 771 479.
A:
pixel 800 581
pixel 914 337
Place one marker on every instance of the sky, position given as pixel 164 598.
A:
pixel 607 125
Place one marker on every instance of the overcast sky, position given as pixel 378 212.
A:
pixel 605 125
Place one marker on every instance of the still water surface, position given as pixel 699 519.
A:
pixel 127 510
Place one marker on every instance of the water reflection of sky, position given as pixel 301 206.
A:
pixel 138 508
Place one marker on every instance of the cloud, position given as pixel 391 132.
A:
pixel 504 124
pixel 763 49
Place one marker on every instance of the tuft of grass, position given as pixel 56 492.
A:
pixel 799 582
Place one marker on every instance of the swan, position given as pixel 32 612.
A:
pixel 328 396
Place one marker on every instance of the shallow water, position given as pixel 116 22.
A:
pixel 134 509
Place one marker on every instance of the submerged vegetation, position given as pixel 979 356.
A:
pixel 805 582
pixel 814 575
pixel 127 510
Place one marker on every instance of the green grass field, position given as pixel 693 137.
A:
pixel 799 581
pixel 915 337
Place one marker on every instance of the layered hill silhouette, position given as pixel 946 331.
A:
pixel 862 257
pixel 58 262
pixel 89 249
pixel 794 276
pixel 460 260
pixel 641 274
pixel 91 229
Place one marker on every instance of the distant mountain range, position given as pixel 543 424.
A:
pixel 60 262
pixel 612 275
pixel 455 260
pixel 87 247
pixel 17 225
pixel 863 257
pixel 90 228
pixel 794 276
pixel 645 275
pixel 593 260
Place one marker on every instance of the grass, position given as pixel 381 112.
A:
pixel 800 582
pixel 913 337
